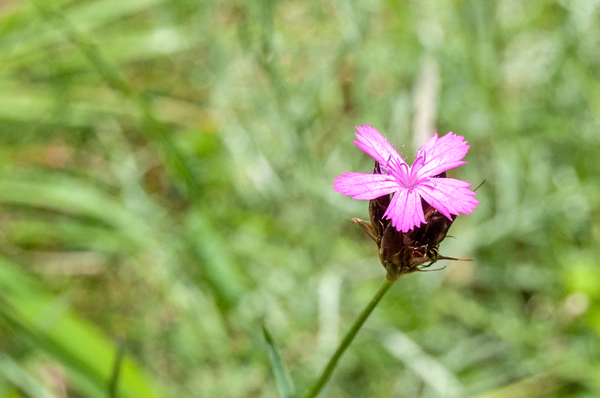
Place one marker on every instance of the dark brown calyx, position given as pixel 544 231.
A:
pixel 403 253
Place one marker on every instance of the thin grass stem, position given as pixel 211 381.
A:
pixel 328 370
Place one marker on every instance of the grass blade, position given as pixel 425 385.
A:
pixel 282 377
pixel 50 325
pixel 15 374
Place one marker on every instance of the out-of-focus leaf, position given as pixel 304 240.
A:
pixel 531 387
pixel 218 262
pixel 71 196
pixel 78 345
pixel 21 379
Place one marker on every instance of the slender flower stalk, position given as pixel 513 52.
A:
pixel 328 370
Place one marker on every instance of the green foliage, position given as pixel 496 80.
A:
pixel 165 180
pixel 282 376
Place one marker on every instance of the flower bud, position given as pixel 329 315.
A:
pixel 406 252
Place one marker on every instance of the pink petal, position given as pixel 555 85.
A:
pixel 449 196
pixel 405 210
pixel 441 154
pixel 365 186
pixel 376 146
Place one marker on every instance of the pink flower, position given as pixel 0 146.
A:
pixel 410 184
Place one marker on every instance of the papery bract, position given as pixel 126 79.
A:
pixel 409 184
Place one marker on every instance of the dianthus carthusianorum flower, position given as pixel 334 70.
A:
pixel 410 184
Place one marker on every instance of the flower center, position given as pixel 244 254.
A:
pixel 408 176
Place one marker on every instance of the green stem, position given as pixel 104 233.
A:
pixel 326 374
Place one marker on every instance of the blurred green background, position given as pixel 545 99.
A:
pixel 165 181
